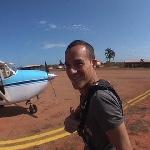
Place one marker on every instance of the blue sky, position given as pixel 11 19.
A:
pixel 35 31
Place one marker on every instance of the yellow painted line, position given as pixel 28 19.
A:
pixel 138 100
pixel 134 99
pixel 35 143
pixel 31 137
pixel 124 108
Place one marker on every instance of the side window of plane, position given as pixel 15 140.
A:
pixel 7 72
pixel 3 71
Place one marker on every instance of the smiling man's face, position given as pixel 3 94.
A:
pixel 79 66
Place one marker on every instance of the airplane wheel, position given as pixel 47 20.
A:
pixel 32 109
pixel 1 106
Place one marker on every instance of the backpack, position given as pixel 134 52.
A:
pixel 102 85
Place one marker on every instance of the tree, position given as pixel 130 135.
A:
pixel 110 54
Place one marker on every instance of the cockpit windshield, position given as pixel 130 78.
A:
pixel 12 67
pixel 7 70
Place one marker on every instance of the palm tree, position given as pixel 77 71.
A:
pixel 110 54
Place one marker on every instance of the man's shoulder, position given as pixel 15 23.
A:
pixel 105 99
pixel 103 96
pixel 104 89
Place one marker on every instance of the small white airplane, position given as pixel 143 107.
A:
pixel 22 85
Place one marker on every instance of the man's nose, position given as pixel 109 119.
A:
pixel 73 70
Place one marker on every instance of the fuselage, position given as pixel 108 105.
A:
pixel 24 85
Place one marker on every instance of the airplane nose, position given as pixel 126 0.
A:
pixel 51 76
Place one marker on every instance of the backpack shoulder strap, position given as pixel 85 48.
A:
pixel 102 85
pixel 84 112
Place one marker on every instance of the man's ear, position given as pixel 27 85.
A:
pixel 94 62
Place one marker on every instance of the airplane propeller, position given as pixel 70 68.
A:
pixel 46 68
pixel 50 76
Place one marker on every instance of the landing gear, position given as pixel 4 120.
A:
pixel 1 106
pixel 32 107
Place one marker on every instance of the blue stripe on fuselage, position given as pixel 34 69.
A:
pixel 25 82
pixel 25 76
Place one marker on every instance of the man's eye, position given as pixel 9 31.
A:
pixel 79 64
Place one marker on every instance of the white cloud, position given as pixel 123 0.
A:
pixel 42 22
pixel 80 27
pixel 74 27
pixel 53 45
pixel 52 26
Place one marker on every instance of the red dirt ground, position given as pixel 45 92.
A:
pixel 15 122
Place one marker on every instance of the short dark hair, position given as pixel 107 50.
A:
pixel 88 46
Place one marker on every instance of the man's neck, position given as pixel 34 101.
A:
pixel 85 89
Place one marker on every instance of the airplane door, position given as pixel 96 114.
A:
pixel 1 84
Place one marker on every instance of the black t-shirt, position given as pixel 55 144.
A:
pixel 104 113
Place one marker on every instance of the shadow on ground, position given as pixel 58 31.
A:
pixel 10 111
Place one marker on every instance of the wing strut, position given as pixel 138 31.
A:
pixel 2 90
